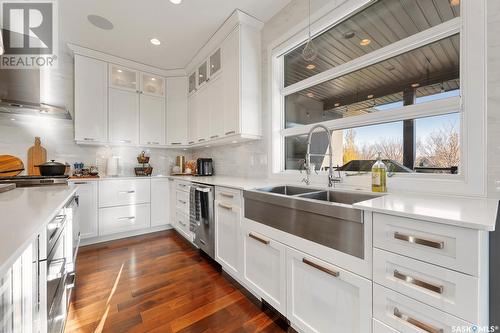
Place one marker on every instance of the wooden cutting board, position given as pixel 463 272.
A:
pixel 10 166
pixel 36 155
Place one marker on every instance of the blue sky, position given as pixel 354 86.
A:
pixel 424 126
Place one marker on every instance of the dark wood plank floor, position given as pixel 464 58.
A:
pixel 159 283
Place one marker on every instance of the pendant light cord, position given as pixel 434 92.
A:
pixel 309 19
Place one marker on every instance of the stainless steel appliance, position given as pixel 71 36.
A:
pixel 31 181
pixel 56 255
pixel 202 219
pixel 204 167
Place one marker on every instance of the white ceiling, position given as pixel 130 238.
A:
pixel 183 29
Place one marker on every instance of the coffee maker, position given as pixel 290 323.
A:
pixel 204 167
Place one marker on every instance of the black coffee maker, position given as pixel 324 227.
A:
pixel 204 167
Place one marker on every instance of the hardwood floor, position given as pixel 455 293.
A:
pixel 159 283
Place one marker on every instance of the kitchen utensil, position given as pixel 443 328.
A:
pixel 10 166
pixel 36 155
pixel 52 168
pixel 142 158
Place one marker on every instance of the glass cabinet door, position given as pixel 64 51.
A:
pixel 152 85
pixel 192 83
pixel 215 63
pixel 123 78
pixel 202 74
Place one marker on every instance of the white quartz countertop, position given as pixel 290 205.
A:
pixel 474 213
pixel 24 213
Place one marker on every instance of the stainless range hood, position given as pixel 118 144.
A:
pixel 20 93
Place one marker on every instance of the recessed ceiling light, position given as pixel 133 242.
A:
pixel 415 85
pixel 311 66
pixel 13 119
pixel 234 141
pixel 176 2
pixel 119 70
pixel 310 94
pixel 365 42
pixel 155 41
pixel 100 22
pixel 348 34
pixel 369 96
pixel 153 79
pixel 336 105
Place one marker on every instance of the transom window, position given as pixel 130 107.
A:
pixel 386 79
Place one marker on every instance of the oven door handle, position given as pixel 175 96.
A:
pixel 61 263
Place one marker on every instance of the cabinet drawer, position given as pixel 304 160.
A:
pixel 182 186
pixel 182 223
pixel 407 315
pixel 113 220
pixel 452 247
pixel 325 298
pixel 182 201
pixel 123 192
pixel 228 196
pixel 447 290
pixel 379 327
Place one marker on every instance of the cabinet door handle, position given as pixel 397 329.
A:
pixel 127 192
pixel 214 137
pixel 321 268
pixel 419 283
pixel 258 239
pixel 227 195
pixel 228 207
pixel 175 143
pixel 423 326
pixel 125 141
pixel 201 140
pixel 126 218
pixel 190 142
pixel 419 241
pixel 88 139
pixel 230 132
pixel 80 183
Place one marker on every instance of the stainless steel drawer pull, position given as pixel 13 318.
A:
pixel 182 202
pixel 214 137
pixel 175 143
pixel 419 283
pixel 125 141
pixel 419 241
pixel 230 132
pixel 80 183
pixel 127 192
pixel 225 206
pixel 201 140
pixel 88 139
pixel 417 323
pixel 258 239
pixel 227 195
pixel 126 218
pixel 190 142
pixel 321 268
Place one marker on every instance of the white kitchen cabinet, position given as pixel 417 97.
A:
pixel 172 200
pixel 192 116
pixel 160 202
pixel 325 298
pixel 88 210
pixel 203 101
pixel 121 192
pixel 231 88
pixel 91 100
pixel 264 268
pixel 152 120
pixel 215 63
pixel 123 116
pixel 114 220
pixel 216 108
pixel 202 76
pixel 123 78
pixel 152 85
pixel 192 83
pixel 177 111
pixel 228 236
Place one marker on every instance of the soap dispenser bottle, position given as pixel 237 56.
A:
pixel 379 175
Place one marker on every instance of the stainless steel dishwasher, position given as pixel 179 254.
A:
pixel 202 218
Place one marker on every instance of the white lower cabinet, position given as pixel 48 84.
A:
pixel 87 192
pixel 114 220
pixel 160 202
pixel 227 237
pixel 264 269
pixel 379 327
pixel 182 225
pixel 408 315
pixel 172 201
pixel 325 298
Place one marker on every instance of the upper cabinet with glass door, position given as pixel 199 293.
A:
pixel 152 85
pixel 123 78
pixel 202 74
pixel 192 83
pixel 215 63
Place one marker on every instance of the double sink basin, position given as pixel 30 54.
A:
pixel 326 217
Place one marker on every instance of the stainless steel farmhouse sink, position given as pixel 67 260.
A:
pixel 323 217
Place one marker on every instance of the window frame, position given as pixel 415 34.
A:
pixel 471 105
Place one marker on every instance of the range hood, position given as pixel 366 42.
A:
pixel 20 93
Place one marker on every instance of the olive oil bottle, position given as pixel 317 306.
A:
pixel 379 175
